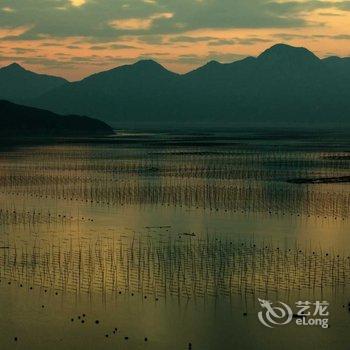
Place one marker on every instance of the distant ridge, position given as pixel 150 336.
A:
pixel 18 84
pixel 283 53
pixel 284 84
pixel 17 120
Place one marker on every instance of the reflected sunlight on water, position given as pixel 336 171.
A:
pixel 178 221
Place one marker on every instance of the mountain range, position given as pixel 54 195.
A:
pixel 284 84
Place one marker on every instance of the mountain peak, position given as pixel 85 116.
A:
pixel 213 63
pixel 283 52
pixel 14 67
pixel 148 64
pixel 333 59
pixel 210 66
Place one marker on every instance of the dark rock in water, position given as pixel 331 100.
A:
pixel 322 180
pixel 148 170
pixel 192 234
pixel 338 157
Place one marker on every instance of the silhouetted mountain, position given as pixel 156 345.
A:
pixel 19 85
pixel 282 54
pixel 17 120
pixel 284 84
pixel 140 89
pixel 340 66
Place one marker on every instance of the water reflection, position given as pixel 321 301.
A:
pixel 171 238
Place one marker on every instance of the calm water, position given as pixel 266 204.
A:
pixel 173 237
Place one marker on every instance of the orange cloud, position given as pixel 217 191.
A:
pixel 16 31
pixel 139 23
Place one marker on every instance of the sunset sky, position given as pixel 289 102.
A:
pixel 73 38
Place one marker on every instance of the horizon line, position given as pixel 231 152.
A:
pixel 138 60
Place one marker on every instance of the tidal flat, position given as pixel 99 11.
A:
pixel 168 239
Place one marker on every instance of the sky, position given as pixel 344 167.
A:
pixel 74 38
